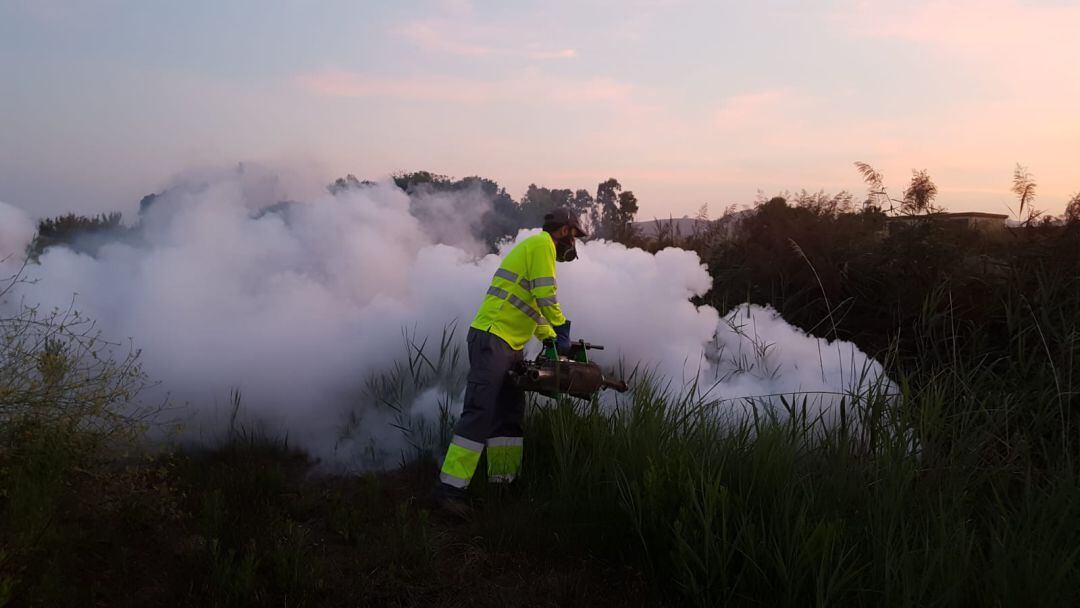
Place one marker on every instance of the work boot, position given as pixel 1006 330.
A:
pixel 451 500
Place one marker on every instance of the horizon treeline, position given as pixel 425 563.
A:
pixel 609 213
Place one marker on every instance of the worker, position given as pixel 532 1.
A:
pixel 521 302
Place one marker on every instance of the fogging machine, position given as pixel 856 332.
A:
pixel 552 373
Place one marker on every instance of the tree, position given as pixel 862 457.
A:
pixel 919 195
pixel 824 204
pixel 535 203
pixel 607 206
pixel 80 233
pixel 501 221
pixel 437 182
pixel 343 184
pixel 584 205
pixel 624 230
pixel 1072 209
pixel 147 202
pixel 613 212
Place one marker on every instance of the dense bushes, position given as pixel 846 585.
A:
pixel 967 494
pixel 845 273
pixel 67 403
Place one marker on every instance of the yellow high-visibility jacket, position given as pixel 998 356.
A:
pixel 522 301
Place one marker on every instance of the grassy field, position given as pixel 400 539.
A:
pixel 962 489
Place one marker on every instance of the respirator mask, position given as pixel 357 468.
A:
pixel 564 221
pixel 565 251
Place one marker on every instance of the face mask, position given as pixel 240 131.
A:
pixel 565 251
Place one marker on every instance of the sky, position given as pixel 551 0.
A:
pixel 685 102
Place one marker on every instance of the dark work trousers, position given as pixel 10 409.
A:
pixel 491 415
pixel 493 407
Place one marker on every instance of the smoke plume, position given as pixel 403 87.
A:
pixel 297 306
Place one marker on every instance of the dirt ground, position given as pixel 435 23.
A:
pixel 260 527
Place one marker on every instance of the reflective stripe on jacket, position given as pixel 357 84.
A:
pixel 521 301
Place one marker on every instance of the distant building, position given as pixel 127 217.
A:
pixel 976 220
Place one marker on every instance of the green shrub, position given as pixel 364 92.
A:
pixel 66 405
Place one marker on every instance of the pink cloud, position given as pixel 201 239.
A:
pixel 440 36
pixel 531 87
pixel 750 109
pixel 966 24
pixel 1018 44
pixel 342 83
pixel 459 33
pixel 456 7
pixel 596 90
pixel 563 54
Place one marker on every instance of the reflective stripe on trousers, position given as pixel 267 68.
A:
pixel 460 463
pixel 504 458
pixel 463 455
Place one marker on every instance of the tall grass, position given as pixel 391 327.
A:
pixel 763 511
pixel 955 484
pixel 413 397
pixel 961 489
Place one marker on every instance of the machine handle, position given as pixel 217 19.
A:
pixel 587 346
